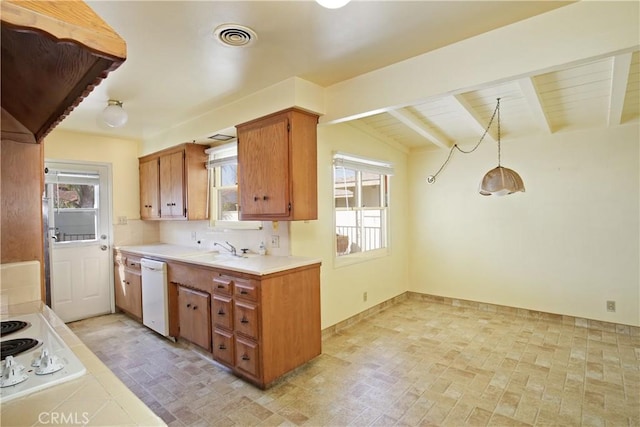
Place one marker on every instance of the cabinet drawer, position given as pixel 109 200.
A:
pixel 246 289
pixel 223 347
pixel 222 312
pixel 222 285
pixel 246 319
pixel 133 263
pixel 247 356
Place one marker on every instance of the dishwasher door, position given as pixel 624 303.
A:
pixel 155 296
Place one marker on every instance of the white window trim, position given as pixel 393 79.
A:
pixel 219 156
pixel 365 165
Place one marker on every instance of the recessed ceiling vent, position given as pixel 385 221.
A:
pixel 235 35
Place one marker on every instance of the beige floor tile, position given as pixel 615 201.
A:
pixel 415 363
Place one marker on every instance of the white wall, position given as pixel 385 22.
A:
pixel 342 287
pixel 566 246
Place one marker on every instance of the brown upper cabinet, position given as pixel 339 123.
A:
pixel 173 183
pixel 53 54
pixel 277 167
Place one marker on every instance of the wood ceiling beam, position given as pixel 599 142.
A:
pixel 409 120
pixel 530 92
pixel 619 80
pixel 477 122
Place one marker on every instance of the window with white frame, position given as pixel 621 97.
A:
pixel 361 203
pixel 223 177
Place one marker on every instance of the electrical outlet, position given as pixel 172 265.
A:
pixel 611 306
pixel 194 236
pixel 364 297
pixel 275 241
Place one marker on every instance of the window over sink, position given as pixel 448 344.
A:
pixel 223 189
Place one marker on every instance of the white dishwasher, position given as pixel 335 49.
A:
pixel 155 296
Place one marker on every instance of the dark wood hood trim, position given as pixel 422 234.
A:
pixel 53 56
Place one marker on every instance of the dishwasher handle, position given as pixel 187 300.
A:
pixel 153 265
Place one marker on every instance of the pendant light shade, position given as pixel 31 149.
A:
pixel 114 115
pixel 501 181
pixel 332 4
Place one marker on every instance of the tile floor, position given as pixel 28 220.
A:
pixel 417 363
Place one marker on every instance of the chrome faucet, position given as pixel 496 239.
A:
pixel 231 248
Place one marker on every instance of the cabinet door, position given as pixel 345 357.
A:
pixel 128 291
pixel 134 295
pixel 172 185
pixel 263 168
pixel 120 287
pixel 194 317
pixel 149 190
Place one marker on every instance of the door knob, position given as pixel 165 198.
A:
pixel 104 247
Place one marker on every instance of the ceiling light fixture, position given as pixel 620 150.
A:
pixel 114 115
pixel 332 4
pixel 499 181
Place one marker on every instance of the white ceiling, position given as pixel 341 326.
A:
pixel 176 70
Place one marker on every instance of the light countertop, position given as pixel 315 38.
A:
pixel 96 398
pixel 259 265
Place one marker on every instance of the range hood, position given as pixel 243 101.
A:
pixel 53 54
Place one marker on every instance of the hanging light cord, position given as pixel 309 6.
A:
pixel 432 178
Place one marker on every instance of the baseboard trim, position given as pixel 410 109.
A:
pixel 578 322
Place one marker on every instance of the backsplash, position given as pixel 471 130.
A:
pixel 136 232
pixel 181 233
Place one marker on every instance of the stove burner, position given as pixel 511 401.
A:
pixel 16 346
pixel 11 326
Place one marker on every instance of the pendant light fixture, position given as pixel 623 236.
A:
pixel 332 4
pixel 114 115
pixel 499 181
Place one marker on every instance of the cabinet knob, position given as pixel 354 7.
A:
pixel 245 357
pixel 173 204
pixel 243 292
pixel 221 313
pixel 255 198
pixel 168 204
pixel 195 307
pixel 188 305
pixel 264 197
pixel 222 347
pixel 244 320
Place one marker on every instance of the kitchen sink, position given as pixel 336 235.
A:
pixel 213 257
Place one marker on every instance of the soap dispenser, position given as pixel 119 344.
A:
pixel 262 250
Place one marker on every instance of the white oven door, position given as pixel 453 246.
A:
pixel 79 234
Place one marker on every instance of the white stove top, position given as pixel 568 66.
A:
pixel 40 330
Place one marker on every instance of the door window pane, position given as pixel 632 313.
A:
pixel 75 212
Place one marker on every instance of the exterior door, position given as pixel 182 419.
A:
pixel 80 239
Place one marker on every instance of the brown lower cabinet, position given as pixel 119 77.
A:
pixel 194 316
pixel 260 327
pixel 128 284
